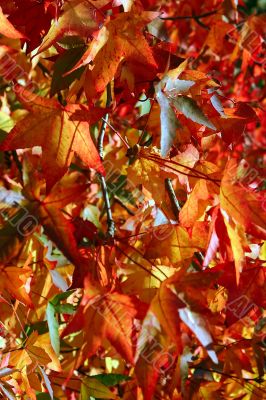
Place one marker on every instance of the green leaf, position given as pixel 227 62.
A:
pixel 65 309
pixel 61 296
pixel 44 396
pixel 191 110
pixel 3 135
pixel 40 327
pixel 64 64
pixel 15 231
pixel 53 327
pixel 6 122
pixel 111 379
pixel 71 42
pixel 92 387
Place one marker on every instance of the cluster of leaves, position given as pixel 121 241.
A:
pixel 132 203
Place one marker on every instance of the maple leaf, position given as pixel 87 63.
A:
pixel 233 121
pixel 175 294
pixel 216 36
pixel 165 306
pixel 43 341
pixel 241 203
pixel 59 135
pixel 169 87
pixel 33 19
pixel 177 300
pixel 17 228
pixel 105 317
pixel 218 240
pixel 79 17
pixel 7 29
pixel 190 109
pixel 236 234
pixel 33 356
pixel 152 355
pixel 246 296
pixel 171 94
pixel 176 243
pixel 196 203
pixel 31 353
pixel 57 227
pixel 120 41
pixel 91 387
pixel 140 172
pixel 13 279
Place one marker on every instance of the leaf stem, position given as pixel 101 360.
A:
pixel 196 174
pixel 110 222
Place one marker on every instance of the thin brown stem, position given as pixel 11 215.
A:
pixel 118 134
pixel 184 17
pixel 195 174
pixel 138 264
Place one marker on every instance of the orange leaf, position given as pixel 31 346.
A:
pixel 241 203
pixel 59 135
pixel 7 29
pixel 122 41
pixel 14 279
pixel 105 317
pixel 79 17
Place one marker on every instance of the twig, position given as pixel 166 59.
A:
pixel 110 222
pixel 196 17
pixel 104 121
pixel 172 196
pixel 115 131
pixel 200 23
pixel 120 202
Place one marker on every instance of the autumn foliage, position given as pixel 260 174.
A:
pixel 132 200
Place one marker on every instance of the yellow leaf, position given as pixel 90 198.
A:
pixel 94 388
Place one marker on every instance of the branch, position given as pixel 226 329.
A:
pixel 172 196
pixel 104 121
pixel 200 23
pixel 18 163
pixel 196 17
pixel 110 222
